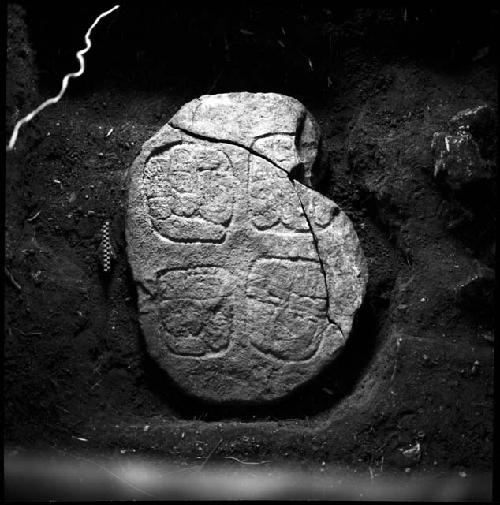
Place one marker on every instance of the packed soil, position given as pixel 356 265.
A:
pixel 413 390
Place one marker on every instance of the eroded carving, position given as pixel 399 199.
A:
pixel 286 307
pixel 197 312
pixel 273 201
pixel 189 193
pixel 196 327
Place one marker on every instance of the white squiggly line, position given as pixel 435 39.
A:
pixel 50 101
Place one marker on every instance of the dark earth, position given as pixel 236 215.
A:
pixel 418 368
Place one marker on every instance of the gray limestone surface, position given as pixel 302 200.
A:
pixel 248 280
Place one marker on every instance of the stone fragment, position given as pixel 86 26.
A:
pixel 458 161
pixel 480 122
pixel 462 154
pixel 248 280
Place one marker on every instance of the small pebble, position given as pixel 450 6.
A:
pixel 475 368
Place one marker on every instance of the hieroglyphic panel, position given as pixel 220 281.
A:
pixel 248 281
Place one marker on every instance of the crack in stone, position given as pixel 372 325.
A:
pixel 230 142
pixel 157 150
pixel 146 289
pixel 272 134
pixel 292 176
pixel 320 259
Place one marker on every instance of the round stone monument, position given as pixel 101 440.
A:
pixel 248 280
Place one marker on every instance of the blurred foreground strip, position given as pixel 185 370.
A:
pixel 64 476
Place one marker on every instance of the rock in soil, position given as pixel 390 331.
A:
pixel 462 156
pixel 248 280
